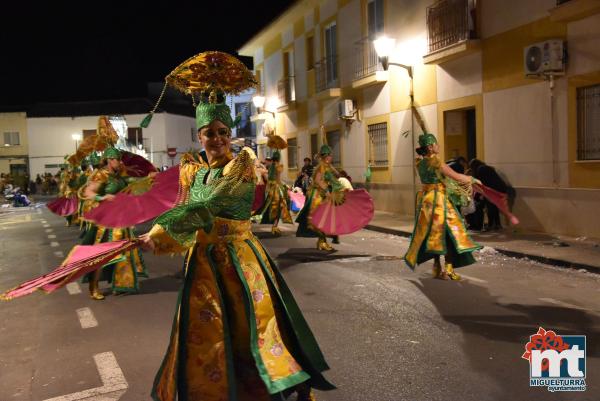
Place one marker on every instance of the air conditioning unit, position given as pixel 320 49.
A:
pixel 346 109
pixel 545 58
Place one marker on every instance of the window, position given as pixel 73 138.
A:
pixel 292 153
pixel 331 52
pixel 334 142
pixel 134 137
pixel 588 123
pixel 245 128
pixel 375 18
pixel 11 139
pixel 310 52
pixel 378 145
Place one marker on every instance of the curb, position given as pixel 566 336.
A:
pixel 514 254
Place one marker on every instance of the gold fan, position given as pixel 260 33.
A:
pixel 277 142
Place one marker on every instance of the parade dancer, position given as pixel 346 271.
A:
pixel 277 202
pixel 439 227
pixel 324 184
pixel 238 334
pixel 122 272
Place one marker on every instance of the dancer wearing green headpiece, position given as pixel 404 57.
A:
pixel 238 333
pixel 277 202
pixel 439 227
pixel 324 184
pixel 122 272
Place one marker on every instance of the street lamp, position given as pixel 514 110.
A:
pixel 76 137
pixel 259 103
pixel 384 47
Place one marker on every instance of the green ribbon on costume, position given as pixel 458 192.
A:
pixel 112 153
pixel 94 159
pixel 427 139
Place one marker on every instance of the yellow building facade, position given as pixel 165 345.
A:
pixel 468 61
pixel 14 154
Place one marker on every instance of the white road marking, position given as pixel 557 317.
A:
pixel 474 279
pixel 44 222
pixel 51 236
pixel 46 225
pixel 59 254
pixel 561 303
pixel 54 244
pixel 48 230
pixel 113 382
pixel 86 318
pixel 73 288
pixel 39 211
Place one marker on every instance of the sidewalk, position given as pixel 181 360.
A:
pixel 558 250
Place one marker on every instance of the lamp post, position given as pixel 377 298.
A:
pixel 76 137
pixel 384 46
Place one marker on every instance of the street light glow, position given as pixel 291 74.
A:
pixel 259 101
pixel 76 137
pixel 384 46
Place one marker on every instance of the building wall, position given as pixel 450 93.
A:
pixel 50 138
pixel 13 122
pixel 525 129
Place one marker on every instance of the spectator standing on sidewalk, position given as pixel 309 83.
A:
pixel 490 178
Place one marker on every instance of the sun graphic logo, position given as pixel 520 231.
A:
pixel 556 362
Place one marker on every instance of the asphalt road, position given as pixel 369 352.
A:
pixel 389 334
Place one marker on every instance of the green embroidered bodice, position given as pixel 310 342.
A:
pixel 428 169
pixel 236 205
pixel 225 190
pixel 114 184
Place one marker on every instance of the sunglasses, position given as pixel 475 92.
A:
pixel 220 132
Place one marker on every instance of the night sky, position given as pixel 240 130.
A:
pixel 92 50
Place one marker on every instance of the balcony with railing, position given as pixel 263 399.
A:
pixel 327 83
pixel 367 68
pixel 286 89
pixel 451 30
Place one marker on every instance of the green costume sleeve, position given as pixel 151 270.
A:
pixel 182 222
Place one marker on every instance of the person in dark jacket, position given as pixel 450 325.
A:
pixel 490 178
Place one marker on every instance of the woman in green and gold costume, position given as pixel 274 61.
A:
pixel 277 202
pixel 439 226
pixel 324 183
pixel 123 271
pixel 238 334
pixel 69 184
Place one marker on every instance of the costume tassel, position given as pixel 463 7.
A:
pixel 146 121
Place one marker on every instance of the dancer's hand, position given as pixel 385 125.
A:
pixel 108 197
pixel 146 241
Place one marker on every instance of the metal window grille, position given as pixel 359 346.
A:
pixel 378 145
pixel 292 153
pixel 11 139
pixel 366 59
pixel 334 142
pixel 449 22
pixel 588 123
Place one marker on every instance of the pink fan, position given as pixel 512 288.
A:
pixel 298 199
pixel 136 165
pixel 127 210
pixel 81 260
pixel 259 197
pixel 63 206
pixel 499 199
pixel 351 216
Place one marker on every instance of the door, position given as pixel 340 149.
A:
pixel 460 134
